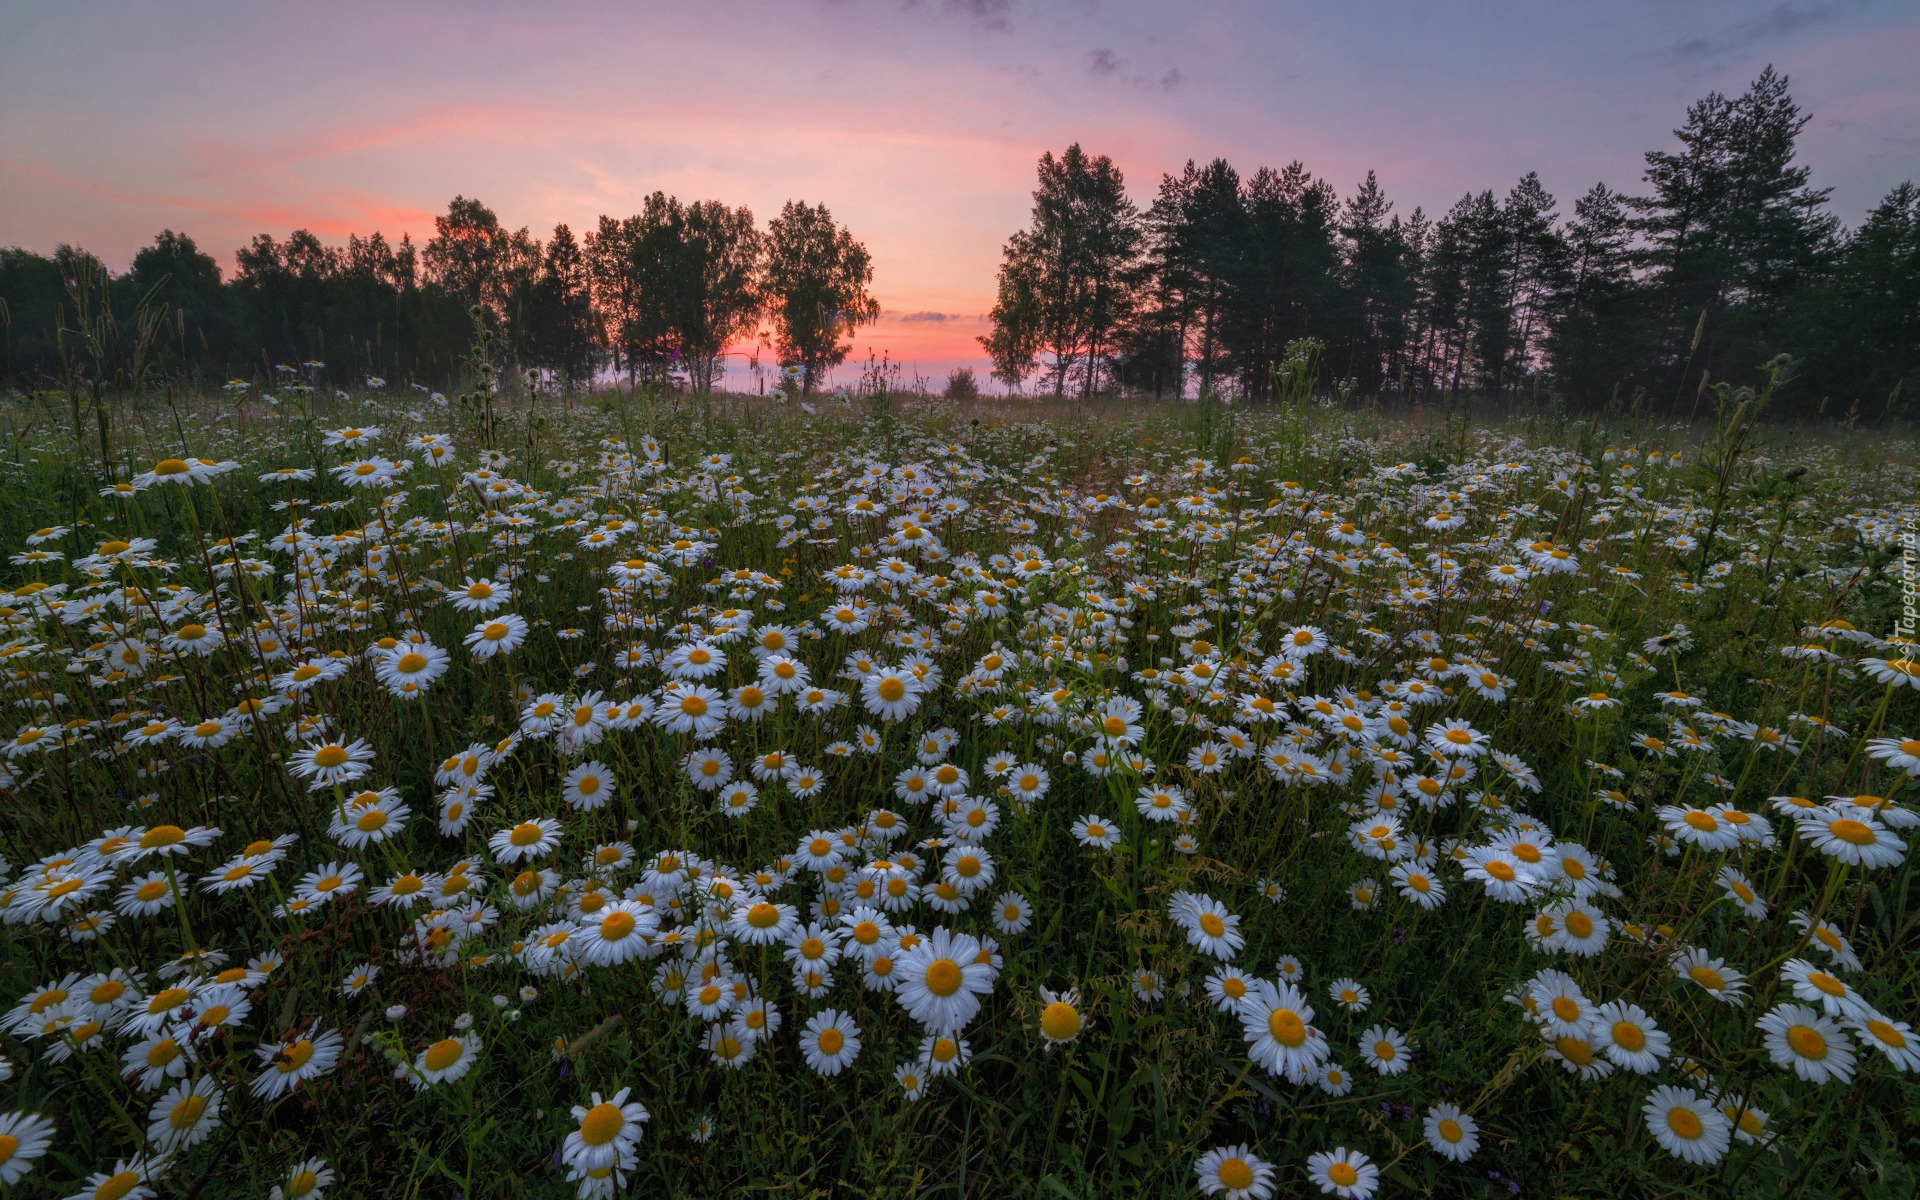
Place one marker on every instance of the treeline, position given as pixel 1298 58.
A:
pixel 1729 259
pixel 655 296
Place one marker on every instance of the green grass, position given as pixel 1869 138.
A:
pixel 1804 532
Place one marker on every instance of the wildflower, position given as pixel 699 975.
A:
pixel 501 635
pixel 25 1137
pixel 588 786
pixel 1060 1019
pixel 1894 1039
pixel 1096 832
pixel 1853 838
pixel 1686 1125
pixel 130 1179
pixel 325 764
pixel 186 1116
pixel 1815 986
pixel 1719 980
pixel 1386 1050
pixel 616 933
pixel 1349 994
pixel 1275 1021
pixel 307 1179
pixel 1234 1172
pixel 442 1062
pixel 526 840
pixel 1210 928
pixel 911 1080
pixel 1628 1037
pixel 608 1131
pixel 295 1060
pixel 1345 1173
pixel 1804 1041
pixel 1894 672
pixel 830 1042
pixel 942 980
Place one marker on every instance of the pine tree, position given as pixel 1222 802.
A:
pixel 1590 342
pixel 1731 228
pixel 1859 329
pixel 1378 287
pixel 1539 274
pixel 1198 233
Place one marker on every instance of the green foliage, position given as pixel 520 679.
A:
pixel 1790 535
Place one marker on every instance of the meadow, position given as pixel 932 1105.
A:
pixel 634 793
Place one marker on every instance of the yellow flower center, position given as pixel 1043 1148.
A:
pixel 443 1054
pixel 525 834
pixel 943 977
pixel 1807 1041
pixel 1887 1034
pixel 1685 1123
pixel 1287 1028
pixel 602 1124
pixel 293 1057
pixel 1060 1021
pixel 1235 1175
pixel 1857 833
pixel 162 835
pixel 117 1186
pixel 187 1112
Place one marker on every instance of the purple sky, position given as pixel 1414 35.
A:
pixel 916 121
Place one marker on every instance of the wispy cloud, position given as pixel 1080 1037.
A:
pixel 1781 21
pixel 996 15
pixel 1103 63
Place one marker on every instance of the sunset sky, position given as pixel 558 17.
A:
pixel 916 121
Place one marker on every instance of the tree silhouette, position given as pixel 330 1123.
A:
pixel 814 284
